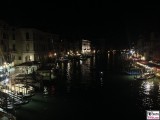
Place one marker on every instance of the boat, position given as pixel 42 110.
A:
pixel 141 77
pixel 145 76
pixel 132 71
pixel 150 75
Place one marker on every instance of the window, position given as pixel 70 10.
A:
pixel 19 58
pixel 34 46
pixel 5 48
pixel 2 42
pixel 27 47
pixel 13 36
pixel 4 36
pixel 4 26
pixel 34 36
pixel 27 35
pixel 14 47
pixel 13 29
pixel 13 57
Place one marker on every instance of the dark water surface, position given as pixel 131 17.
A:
pixel 94 89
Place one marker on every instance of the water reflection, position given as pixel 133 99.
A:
pixel 80 75
pixel 146 87
pixel 147 103
pixel 86 74
pixel 68 74
pixel 45 90
pixel 158 96
pixel 98 73
pixel 108 57
pixel 147 97
pixel 101 81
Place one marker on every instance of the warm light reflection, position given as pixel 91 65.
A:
pixel 108 59
pixel 68 75
pixel 68 72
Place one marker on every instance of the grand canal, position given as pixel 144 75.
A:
pixel 94 88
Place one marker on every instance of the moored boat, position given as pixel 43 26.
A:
pixel 145 76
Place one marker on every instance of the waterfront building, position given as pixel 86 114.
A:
pixel 22 44
pixel 86 47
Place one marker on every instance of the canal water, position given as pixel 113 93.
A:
pixel 93 89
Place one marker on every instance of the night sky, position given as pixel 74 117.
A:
pixel 82 19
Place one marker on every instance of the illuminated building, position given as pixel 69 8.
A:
pixel 86 47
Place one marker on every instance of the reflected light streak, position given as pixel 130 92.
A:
pixel 108 58
pixel 68 72
pixel 146 87
pixel 147 102
pixel 158 97
pixel 101 81
pixel 80 62
pixel 145 94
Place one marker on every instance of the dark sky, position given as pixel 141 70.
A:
pixel 92 19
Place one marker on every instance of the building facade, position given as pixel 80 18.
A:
pixel 18 45
pixel 148 46
pixel 4 42
pixel 86 47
